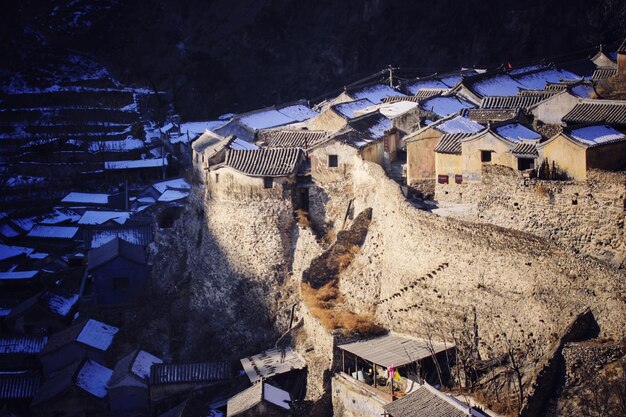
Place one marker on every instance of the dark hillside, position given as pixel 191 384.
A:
pixel 216 55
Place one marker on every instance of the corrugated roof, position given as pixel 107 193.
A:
pixel 525 149
pixel 271 362
pixel 604 73
pixel 21 385
pixel 22 344
pixel 451 143
pixel 597 112
pixel 394 350
pixel 111 250
pixel 267 162
pixel 189 372
pixel 427 402
pixel 289 138
pixel 513 102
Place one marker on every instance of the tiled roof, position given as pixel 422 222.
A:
pixel 373 124
pixel 428 92
pixel 354 138
pixel 451 143
pixel 21 385
pixel 189 372
pixel 288 138
pixel 603 73
pixel 413 99
pixel 22 344
pixel 272 162
pixel 525 149
pixel 484 116
pixel 426 402
pixel 622 48
pixel 512 102
pixel 597 112
pixel 140 234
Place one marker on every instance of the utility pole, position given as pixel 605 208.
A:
pixel 390 69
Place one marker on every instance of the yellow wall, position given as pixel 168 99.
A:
pixel 448 164
pixel 555 108
pixel 420 155
pixel 568 157
pixel 327 120
pixel 471 154
pixel 229 184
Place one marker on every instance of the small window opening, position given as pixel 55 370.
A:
pixel 333 161
pixel 525 163
pixel 268 182
pixel 485 156
pixel 121 283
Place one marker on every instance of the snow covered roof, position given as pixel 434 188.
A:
pixel 59 304
pixel 18 275
pixel 596 135
pixel 374 125
pixel 173 184
pixel 86 198
pixel 583 90
pixel 459 124
pixel 94 378
pixel 374 93
pixel 516 132
pixel 142 364
pixel 428 401
pixel 252 396
pixel 348 109
pixel 53 232
pixel 22 344
pixel 298 112
pixel 9 231
pixel 117 247
pixel 537 80
pixel 173 195
pixel 136 164
pixel 7 252
pixel 265 119
pixel 241 145
pixel 271 362
pixel 445 105
pixel 197 128
pixel 97 334
pixel 94 217
pixel 390 109
pixel 59 215
pixel 138 235
pixel 496 85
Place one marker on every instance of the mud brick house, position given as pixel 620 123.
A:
pixel 88 339
pixel 80 387
pixel 172 383
pixel 260 400
pixel 577 150
pixel 117 273
pixel 421 146
pixel 129 394
pixel 260 173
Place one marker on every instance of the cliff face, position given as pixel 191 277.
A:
pixel 218 56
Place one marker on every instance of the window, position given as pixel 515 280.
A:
pixel 485 156
pixel 442 179
pixel 268 182
pixel 121 283
pixel 217 178
pixel 525 163
pixel 333 161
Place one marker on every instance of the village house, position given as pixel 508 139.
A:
pixel 609 112
pixel 579 149
pixel 427 401
pixel 50 310
pixel 170 384
pixel 155 192
pixel 116 273
pixel 129 394
pixel 210 149
pixel 246 126
pixel 373 92
pixel 421 145
pixel 260 400
pixel 80 387
pixel 603 59
pixel 87 339
pixel 552 109
pixel 259 173
pixel 337 116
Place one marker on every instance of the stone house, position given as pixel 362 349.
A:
pixel 337 116
pixel 129 394
pixel 87 339
pixel 247 125
pixel 260 173
pixel 51 310
pixel 78 389
pixel 116 273
pixel 421 146
pixel 260 400
pixel 210 149
pixel 170 384
pixel 577 150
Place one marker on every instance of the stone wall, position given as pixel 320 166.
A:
pixel 352 398
pixel 585 216
pixel 424 275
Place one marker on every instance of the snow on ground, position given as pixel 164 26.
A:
pixel 459 125
pixel 517 132
pixel 595 135
pixel 142 364
pixel 445 106
pixel 94 378
pixel 349 108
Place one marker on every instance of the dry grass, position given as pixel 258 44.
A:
pixel 326 304
pixel 346 257
pixel 303 218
